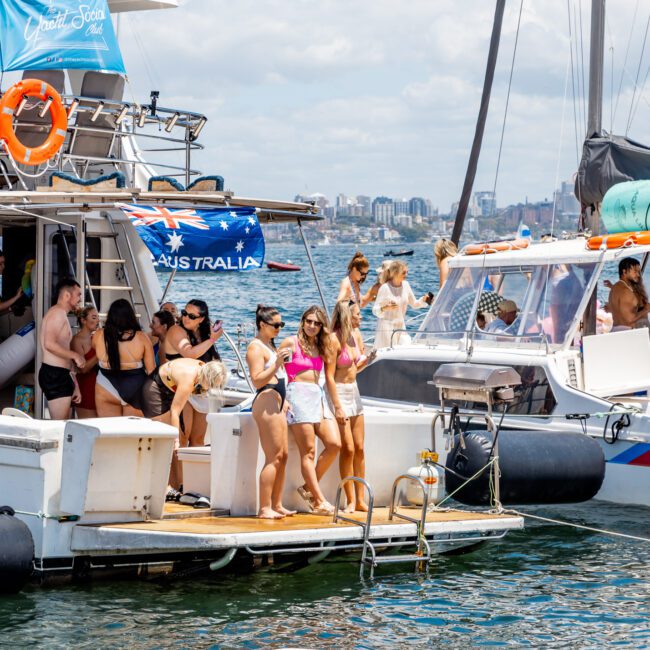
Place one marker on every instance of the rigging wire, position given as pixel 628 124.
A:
pixel 638 101
pixel 627 51
pixel 636 81
pixel 582 67
pixel 573 90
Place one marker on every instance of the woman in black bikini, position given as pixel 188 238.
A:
pixel 126 357
pixel 266 368
pixel 193 338
pixel 168 389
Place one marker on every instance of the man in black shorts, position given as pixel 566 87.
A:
pixel 54 377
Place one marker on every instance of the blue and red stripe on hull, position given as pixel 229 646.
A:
pixel 638 454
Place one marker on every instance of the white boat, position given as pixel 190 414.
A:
pixel 92 493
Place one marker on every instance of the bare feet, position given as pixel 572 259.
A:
pixel 283 511
pixel 269 513
pixel 362 506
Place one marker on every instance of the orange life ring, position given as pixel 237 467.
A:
pixel 8 104
pixel 619 240
pixel 496 246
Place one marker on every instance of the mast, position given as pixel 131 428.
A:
pixel 480 123
pixel 594 127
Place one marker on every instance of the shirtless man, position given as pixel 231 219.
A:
pixel 55 377
pixel 623 299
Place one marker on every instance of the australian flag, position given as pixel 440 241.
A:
pixel 185 239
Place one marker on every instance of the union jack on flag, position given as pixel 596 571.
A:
pixel 171 218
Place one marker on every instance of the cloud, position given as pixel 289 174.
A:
pixel 379 96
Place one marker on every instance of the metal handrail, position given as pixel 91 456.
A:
pixel 366 527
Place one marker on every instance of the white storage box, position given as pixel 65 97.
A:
pixel 196 469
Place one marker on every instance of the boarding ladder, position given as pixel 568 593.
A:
pixel 135 293
pixel 369 555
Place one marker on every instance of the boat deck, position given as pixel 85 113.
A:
pixel 193 533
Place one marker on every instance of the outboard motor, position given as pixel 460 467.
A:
pixel 16 552
pixel 536 467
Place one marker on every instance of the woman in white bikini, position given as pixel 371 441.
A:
pixel 350 288
pixel 266 369
pixel 347 358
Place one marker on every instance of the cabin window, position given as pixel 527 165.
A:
pixel 405 380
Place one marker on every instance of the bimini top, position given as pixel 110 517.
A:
pixel 566 251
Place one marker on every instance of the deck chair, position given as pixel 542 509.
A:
pixel 101 142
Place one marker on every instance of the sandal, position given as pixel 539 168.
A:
pixel 324 509
pixel 172 495
pixel 306 496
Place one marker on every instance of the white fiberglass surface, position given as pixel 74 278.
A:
pixel 548 300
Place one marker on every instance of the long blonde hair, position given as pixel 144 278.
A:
pixel 342 321
pixel 397 266
pixel 444 248
pixel 322 338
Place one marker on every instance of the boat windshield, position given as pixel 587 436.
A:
pixel 529 305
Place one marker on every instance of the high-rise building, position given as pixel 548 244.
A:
pixel 486 204
pixel 418 207
pixel 383 210
pixel 366 205
pixel 565 200
pixel 401 206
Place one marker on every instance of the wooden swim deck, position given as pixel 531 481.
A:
pixel 178 533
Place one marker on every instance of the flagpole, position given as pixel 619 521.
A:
pixel 313 268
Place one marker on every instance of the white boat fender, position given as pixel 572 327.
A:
pixel 17 351
pixel 432 476
pixel 16 552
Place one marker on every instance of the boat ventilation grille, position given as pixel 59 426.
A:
pixel 573 375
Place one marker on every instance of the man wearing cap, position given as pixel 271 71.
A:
pixel 507 316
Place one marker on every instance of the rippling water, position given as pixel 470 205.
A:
pixel 547 586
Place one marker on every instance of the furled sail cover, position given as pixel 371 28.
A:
pixel 58 34
pixel 606 161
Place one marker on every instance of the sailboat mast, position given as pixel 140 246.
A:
pixel 594 127
pixel 480 123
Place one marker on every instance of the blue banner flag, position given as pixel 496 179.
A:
pixel 58 34
pixel 215 239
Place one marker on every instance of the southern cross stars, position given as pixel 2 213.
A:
pixel 224 225
pixel 240 246
pixel 175 242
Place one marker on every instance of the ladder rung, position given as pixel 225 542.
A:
pixel 111 235
pixel 108 287
pixel 99 260
pixel 394 559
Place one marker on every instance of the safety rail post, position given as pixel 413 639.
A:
pixel 420 523
pixel 366 527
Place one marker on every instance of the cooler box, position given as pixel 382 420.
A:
pixel 196 469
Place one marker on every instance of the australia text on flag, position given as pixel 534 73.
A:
pixel 189 239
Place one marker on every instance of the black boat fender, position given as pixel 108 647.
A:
pixel 16 552
pixel 537 467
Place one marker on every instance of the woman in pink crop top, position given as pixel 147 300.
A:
pixel 345 359
pixel 309 416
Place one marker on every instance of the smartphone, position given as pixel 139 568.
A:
pixel 429 297
pixel 289 358
pixel 217 325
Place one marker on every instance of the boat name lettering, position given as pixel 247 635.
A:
pixel 69 18
pixel 184 263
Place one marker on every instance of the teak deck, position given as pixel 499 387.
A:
pixel 179 534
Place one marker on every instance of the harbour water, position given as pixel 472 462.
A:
pixel 547 586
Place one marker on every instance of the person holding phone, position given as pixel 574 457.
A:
pixel 266 369
pixel 393 299
pixel 194 338
pixel 346 359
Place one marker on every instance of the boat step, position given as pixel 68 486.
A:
pixel 99 260
pixel 395 559
pixel 99 233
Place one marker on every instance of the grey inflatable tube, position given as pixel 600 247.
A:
pixel 537 467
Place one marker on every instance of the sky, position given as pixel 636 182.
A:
pixel 381 96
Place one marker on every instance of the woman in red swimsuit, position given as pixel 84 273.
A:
pixel 88 320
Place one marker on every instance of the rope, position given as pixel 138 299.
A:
pixel 627 51
pixel 636 80
pixel 44 515
pixel 471 478
pixel 20 172
pixel 580 526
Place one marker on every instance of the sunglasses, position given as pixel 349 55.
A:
pixel 363 274
pixel 185 314
pixel 313 323
pixel 278 326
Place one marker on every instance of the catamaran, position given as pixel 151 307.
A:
pixel 78 197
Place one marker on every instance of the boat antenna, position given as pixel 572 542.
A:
pixel 480 123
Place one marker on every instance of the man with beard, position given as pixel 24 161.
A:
pixel 628 298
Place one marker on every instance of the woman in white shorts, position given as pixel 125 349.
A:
pixel 345 359
pixel 309 416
